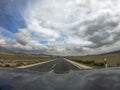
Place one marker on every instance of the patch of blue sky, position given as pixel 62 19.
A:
pixel 8 35
pixel 11 17
pixel 44 42
pixel 35 35
pixel 62 37
pixel 13 24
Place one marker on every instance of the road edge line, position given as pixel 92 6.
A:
pixel 31 65
pixel 81 66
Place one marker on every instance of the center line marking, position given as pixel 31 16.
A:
pixel 53 66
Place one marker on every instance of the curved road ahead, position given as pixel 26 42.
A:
pixel 59 65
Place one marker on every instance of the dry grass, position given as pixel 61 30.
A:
pixel 112 59
pixel 15 60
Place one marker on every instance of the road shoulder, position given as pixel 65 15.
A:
pixel 81 66
pixel 27 66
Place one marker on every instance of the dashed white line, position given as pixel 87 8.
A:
pixel 53 66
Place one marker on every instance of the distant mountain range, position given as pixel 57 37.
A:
pixel 7 51
pixel 2 49
pixel 10 51
pixel 112 52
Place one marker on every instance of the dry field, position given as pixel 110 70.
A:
pixel 16 60
pixel 112 59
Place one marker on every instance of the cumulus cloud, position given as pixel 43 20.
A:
pixel 68 27
pixel 23 36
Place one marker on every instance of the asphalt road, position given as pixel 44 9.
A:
pixel 59 65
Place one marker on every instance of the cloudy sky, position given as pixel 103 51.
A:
pixel 60 27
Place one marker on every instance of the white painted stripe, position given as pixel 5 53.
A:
pixel 80 66
pixel 72 63
pixel 53 66
pixel 36 64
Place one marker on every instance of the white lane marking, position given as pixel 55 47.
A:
pixel 72 63
pixel 53 66
pixel 80 66
pixel 27 66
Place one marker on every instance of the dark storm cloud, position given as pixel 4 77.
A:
pixel 99 32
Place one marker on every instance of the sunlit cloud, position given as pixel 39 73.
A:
pixel 61 27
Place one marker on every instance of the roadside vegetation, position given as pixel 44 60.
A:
pixel 16 60
pixel 91 63
pixel 97 61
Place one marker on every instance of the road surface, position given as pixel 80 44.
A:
pixel 59 65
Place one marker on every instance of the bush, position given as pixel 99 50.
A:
pixel 7 65
pixel 19 64
pixel 118 64
pixel 88 62
pixel 99 64
pixel 93 63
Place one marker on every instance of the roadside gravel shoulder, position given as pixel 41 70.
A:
pixel 27 66
pixel 81 66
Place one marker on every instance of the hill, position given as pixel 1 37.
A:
pixel 112 52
